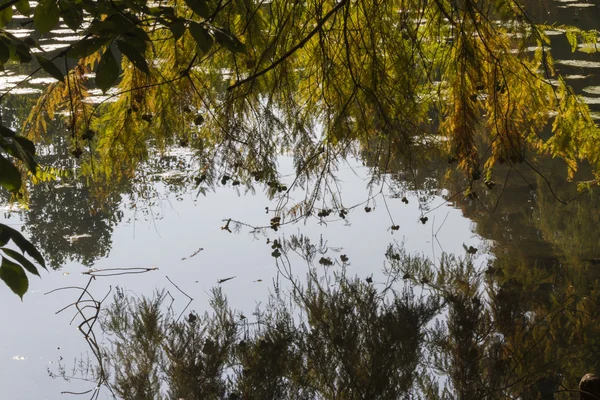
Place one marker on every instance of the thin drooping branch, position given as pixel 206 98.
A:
pixel 294 49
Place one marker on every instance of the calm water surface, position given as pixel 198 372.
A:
pixel 527 222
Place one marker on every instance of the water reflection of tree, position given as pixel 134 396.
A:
pixel 536 332
pixel 350 344
pixel 63 223
pixel 509 331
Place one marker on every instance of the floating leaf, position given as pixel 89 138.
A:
pixel 132 53
pixel 46 15
pixel 202 37
pixel 15 278
pixel 225 279
pixel 107 71
pixel 199 120
pixel 50 68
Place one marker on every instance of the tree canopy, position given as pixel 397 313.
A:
pixel 242 82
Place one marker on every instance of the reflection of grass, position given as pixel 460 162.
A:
pixel 512 330
pixel 348 340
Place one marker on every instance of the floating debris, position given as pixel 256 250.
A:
pixel 226 279
pixel 193 254
pixel 74 238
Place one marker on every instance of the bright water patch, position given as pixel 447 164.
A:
pixel 166 235
pixel 579 63
pixel 592 90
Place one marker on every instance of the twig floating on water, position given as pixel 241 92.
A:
pixel 118 271
pixel 193 254
pixel 225 279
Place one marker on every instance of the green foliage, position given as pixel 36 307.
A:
pixel 202 37
pixel 50 68
pixel 23 7
pixel 14 264
pixel 243 82
pixel 134 55
pixel 17 149
pixel 46 15
pixel 107 72
pixel 199 7
pixel 14 277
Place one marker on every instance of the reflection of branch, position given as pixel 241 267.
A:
pixel 87 325
pixel 184 293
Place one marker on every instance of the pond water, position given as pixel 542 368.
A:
pixel 177 226
pixel 188 243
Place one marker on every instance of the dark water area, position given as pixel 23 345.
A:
pixel 417 292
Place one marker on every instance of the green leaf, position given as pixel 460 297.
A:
pixel 86 47
pixel 229 41
pixel 23 7
pixel 10 177
pixel 177 27
pixel 5 16
pixel 25 245
pixel 135 42
pixel 23 53
pixel 6 132
pixel 72 14
pixel 199 7
pixel 4 52
pixel 134 56
pixel 50 68
pixel 15 278
pixel 22 149
pixel 107 72
pixel 202 37
pixel 138 32
pixel 4 235
pixel 46 15
pixel 25 263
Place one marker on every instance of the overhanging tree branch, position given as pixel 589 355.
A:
pixel 293 49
